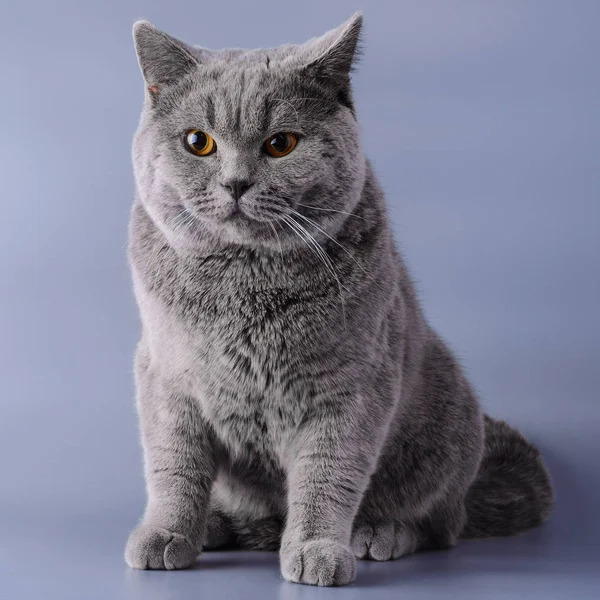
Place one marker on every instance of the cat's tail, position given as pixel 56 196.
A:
pixel 512 491
pixel 226 533
pixel 262 534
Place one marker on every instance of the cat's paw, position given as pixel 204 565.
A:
pixel 382 541
pixel 318 562
pixel 152 547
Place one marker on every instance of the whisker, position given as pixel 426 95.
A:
pixel 184 224
pixel 278 239
pixel 311 240
pixel 176 222
pixel 178 218
pixel 295 230
pixel 311 222
pixel 321 254
pixel 324 100
pixel 294 109
pixel 343 212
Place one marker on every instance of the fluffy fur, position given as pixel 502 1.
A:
pixel 291 394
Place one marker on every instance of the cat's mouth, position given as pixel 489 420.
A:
pixel 233 214
pixel 241 220
pixel 240 215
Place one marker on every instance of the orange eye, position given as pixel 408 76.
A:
pixel 281 144
pixel 199 142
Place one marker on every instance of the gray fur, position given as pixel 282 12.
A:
pixel 291 393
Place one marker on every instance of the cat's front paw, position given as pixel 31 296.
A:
pixel 152 547
pixel 318 562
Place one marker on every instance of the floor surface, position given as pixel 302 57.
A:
pixel 84 562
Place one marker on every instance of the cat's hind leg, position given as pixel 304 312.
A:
pixel 383 541
pixel 388 540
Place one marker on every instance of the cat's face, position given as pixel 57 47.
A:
pixel 253 147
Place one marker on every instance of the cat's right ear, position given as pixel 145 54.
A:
pixel 163 59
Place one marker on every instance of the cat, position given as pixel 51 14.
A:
pixel 291 394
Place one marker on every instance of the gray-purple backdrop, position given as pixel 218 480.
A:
pixel 482 120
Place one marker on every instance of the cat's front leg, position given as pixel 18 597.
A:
pixel 332 458
pixel 179 468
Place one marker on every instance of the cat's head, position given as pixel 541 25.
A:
pixel 241 145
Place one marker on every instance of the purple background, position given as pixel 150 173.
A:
pixel 482 120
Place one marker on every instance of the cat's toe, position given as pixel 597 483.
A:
pixel 318 562
pixel 151 547
pixel 382 541
pixel 362 537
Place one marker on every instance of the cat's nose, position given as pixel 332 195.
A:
pixel 237 187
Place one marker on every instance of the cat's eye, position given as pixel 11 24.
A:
pixel 199 142
pixel 280 144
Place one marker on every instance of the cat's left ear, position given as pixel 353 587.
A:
pixel 330 58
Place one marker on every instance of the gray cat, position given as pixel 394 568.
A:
pixel 291 394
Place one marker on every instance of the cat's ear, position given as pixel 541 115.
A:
pixel 332 56
pixel 163 59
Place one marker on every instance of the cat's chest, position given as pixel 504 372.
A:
pixel 246 320
pixel 243 358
